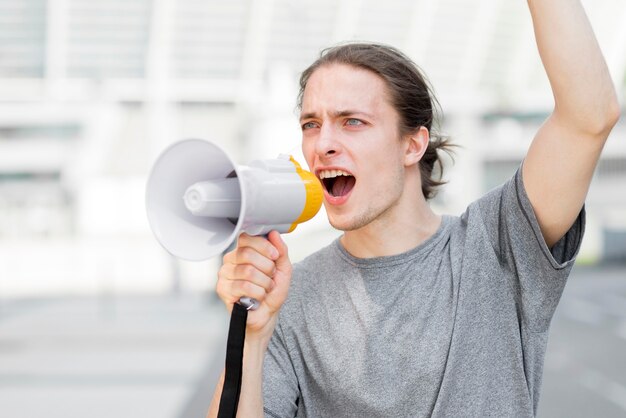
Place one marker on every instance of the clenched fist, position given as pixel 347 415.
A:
pixel 259 268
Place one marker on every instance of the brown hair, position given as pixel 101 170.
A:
pixel 410 93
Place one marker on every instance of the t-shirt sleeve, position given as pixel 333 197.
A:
pixel 538 273
pixel 280 384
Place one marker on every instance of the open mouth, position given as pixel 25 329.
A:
pixel 337 182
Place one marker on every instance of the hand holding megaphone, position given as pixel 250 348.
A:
pixel 259 267
pixel 198 201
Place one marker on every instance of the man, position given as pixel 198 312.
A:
pixel 410 313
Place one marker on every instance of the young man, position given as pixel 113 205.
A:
pixel 410 313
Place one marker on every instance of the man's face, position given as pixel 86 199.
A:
pixel 350 140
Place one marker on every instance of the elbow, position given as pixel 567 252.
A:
pixel 613 114
pixel 605 119
pixel 595 120
pixel 609 117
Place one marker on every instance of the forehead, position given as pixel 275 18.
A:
pixel 342 86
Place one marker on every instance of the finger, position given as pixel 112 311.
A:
pixel 245 272
pixel 241 288
pixel 282 261
pixel 248 272
pixel 229 257
pixel 230 291
pixel 224 275
pixel 248 255
pixel 260 244
pixel 282 277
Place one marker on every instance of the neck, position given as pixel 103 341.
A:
pixel 398 232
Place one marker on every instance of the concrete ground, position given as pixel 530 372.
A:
pixel 159 356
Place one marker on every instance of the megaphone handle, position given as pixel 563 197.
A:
pixel 249 303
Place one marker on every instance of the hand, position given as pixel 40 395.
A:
pixel 258 268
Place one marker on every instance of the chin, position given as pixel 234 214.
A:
pixel 345 223
pixel 339 224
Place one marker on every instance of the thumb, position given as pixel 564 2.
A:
pixel 282 262
pixel 282 277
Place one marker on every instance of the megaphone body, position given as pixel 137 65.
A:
pixel 198 201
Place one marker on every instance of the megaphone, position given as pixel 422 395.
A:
pixel 198 201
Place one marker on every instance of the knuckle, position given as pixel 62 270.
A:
pixel 225 273
pixel 226 257
pixel 242 271
pixel 269 248
pixel 247 289
pixel 267 284
pixel 221 273
pixel 254 291
pixel 268 273
pixel 223 294
pixel 244 254
pixel 219 289
pixel 243 239
pixel 249 270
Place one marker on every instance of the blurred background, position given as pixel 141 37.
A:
pixel 97 320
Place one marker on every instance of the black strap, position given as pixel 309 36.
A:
pixel 234 362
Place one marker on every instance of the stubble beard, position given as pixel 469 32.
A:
pixel 374 213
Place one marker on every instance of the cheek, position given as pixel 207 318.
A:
pixel 307 152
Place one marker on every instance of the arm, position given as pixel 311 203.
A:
pixel 251 398
pixel 258 268
pixel 560 163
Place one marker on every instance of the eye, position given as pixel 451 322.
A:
pixel 309 125
pixel 354 122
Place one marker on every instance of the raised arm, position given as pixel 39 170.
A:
pixel 560 163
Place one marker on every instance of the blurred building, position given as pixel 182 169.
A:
pixel 91 92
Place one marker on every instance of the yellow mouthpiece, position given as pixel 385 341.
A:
pixel 314 195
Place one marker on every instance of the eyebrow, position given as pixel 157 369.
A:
pixel 336 114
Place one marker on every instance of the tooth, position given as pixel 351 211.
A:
pixel 327 174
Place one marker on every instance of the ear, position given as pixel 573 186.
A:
pixel 416 144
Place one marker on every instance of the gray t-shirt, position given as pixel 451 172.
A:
pixel 456 327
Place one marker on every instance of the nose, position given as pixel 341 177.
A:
pixel 327 144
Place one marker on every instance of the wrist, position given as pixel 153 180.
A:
pixel 259 339
pixel 254 353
